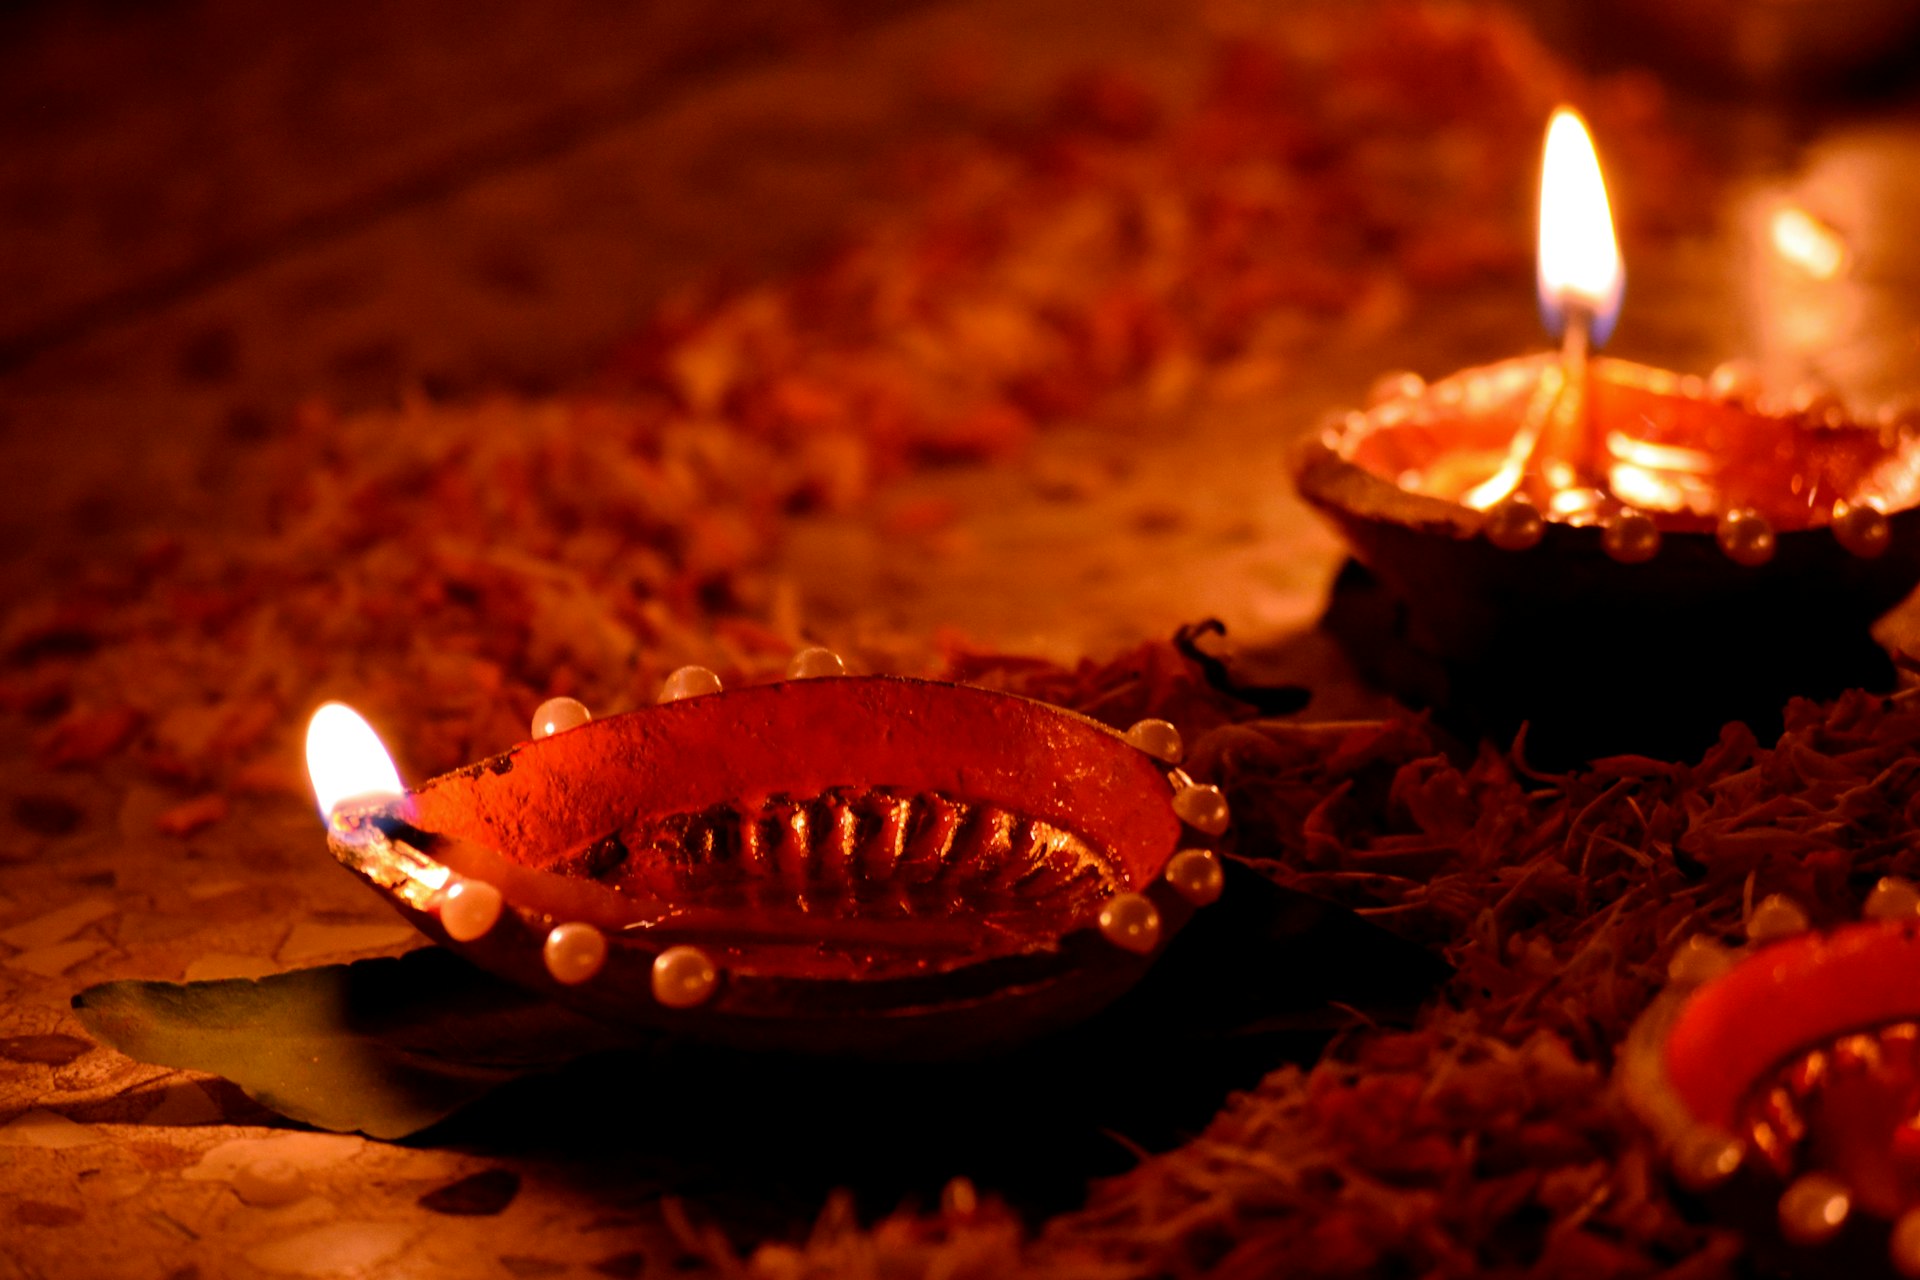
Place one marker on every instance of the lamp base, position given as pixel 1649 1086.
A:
pixel 1584 690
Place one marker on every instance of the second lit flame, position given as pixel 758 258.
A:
pixel 1579 261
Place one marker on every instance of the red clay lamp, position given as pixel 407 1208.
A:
pixel 1780 1082
pixel 1621 555
pixel 831 864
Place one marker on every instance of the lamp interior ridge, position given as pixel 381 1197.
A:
pixel 875 854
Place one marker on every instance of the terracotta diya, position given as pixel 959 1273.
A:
pixel 848 865
pixel 1587 538
pixel 1782 1083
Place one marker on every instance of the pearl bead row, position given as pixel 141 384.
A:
pixel 1130 920
pixel 576 951
pixel 1816 1206
pixel 1745 536
pixel 557 715
pixel 1700 959
pixel 685 977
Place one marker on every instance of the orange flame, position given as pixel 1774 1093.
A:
pixel 1579 260
pixel 346 760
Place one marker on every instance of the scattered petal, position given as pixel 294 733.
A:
pixel 193 815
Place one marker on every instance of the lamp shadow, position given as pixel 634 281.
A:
pixel 1272 979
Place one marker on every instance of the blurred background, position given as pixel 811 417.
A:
pixel 239 206
pixel 210 210
pixel 213 212
pixel 445 357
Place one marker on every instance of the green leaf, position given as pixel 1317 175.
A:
pixel 390 1047
pixel 385 1047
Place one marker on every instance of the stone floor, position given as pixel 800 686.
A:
pixel 210 212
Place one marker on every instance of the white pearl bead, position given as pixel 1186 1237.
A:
pixel 1903 1244
pixel 469 909
pixel 1399 385
pixel 1202 807
pixel 575 952
pixel 684 977
pixel 1814 1208
pixel 1699 959
pixel 1514 524
pixel 1746 537
pixel 1197 876
pixel 1131 922
pixel 557 715
pixel 1159 739
pixel 1861 529
pixel 1706 1157
pixel 812 664
pixel 689 682
pixel 1776 916
pixel 1892 899
pixel 1631 537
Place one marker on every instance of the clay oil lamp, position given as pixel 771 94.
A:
pixel 1781 1082
pixel 832 864
pixel 1620 554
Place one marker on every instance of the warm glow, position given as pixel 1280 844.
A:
pixel 1661 477
pixel 1579 262
pixel 346 761
pixel 1807 242
pixel 1646 489
pixel 1659 457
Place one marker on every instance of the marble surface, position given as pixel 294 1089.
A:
pixel 220 237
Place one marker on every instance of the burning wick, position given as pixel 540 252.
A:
pixel 370 827
pixel 357 786
pixel 1554 460
pixel 346 761
pixel 361 796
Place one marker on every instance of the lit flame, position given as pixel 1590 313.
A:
pixel 1807 242
pixel 1579 263
pixel 346 761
